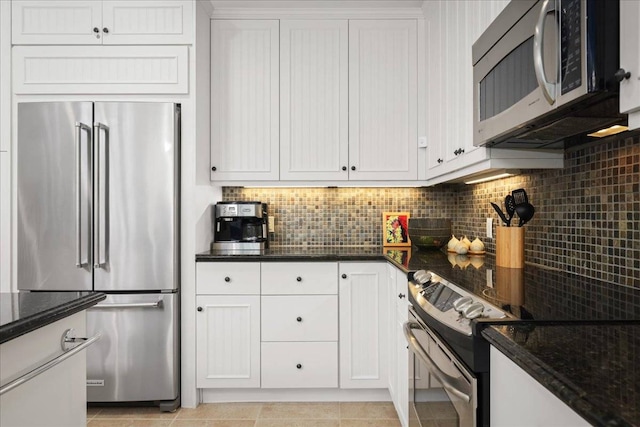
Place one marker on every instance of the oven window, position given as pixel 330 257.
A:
pixel 509 81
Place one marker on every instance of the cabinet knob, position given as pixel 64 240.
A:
pixel 353 168
pixel 200 308
pixel 298 279
pixel 213 168
pixel 456 152
pixel 227 279
pixel 440 160
pixel 299 366
pixel 622 74
pixel 105 30
pixel 344 276
pixel 96 29
pixel 401 296
pixel 344 168
pixel 299 319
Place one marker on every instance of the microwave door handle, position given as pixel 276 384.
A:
pixel 447 381
pixel 548 89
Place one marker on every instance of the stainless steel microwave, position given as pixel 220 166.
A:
pixel 544 73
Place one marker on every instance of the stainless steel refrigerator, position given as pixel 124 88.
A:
pixel 98 209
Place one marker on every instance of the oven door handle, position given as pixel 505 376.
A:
pixel 447 381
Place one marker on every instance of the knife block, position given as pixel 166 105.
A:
pixel 510 247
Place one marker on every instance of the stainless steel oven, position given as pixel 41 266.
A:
pixel 441 389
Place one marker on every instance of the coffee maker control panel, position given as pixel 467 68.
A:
pixel 239 209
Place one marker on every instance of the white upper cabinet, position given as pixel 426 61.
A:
pixel 383 99
pixel 244 100
pixel 314 100
pixel 452 28
pixel 630 60
pixel 102 22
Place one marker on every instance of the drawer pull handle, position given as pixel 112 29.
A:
pixel 299 279
pixel 299 319
pixel 401 296
pixel 299 366
pixel 344 276
pixel 227 279
pixel 86 342
pixel 200 309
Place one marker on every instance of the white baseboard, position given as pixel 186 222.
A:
pixel 211 395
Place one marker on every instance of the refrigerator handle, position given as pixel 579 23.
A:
pixel 98 260
pixel 79 128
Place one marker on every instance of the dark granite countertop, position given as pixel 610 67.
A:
pixel 300 253
pixel 593 368
pixel 23 312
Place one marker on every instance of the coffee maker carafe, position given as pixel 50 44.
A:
pixel 240 227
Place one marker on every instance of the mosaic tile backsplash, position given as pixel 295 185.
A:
pixel 587 217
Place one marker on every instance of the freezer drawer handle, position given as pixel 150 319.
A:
pixel 157 304
pixel 79 128
pixel 49 364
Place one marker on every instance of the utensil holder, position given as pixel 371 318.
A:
pixel 510 247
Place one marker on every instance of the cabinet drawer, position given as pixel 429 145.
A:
pixel 317 278
pixel 299 364
pixel 300 318
pixel 228 278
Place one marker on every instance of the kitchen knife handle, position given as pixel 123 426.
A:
pixel 79 128
pixel 98 262
pixel 548 89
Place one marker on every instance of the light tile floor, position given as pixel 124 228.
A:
pixel 325 414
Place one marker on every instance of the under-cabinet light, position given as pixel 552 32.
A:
pixel 608 131
pixel 489 178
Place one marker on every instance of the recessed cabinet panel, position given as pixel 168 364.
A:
pixel 363 325
pixel 100 69
pixel 144 22
pixel 300 318
pixel 228 345
pixel 299 364
pixel 383 99
pixel 314 100
pixel 56 22
pixel 245 96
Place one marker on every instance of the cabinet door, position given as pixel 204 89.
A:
pixel 145 22
pixel 56 22
pixel 515 395
pixel 383 100
pixel 392 351
pixel 245 120
pixel 228 341
pixel 363 325
pixel 452 29
pixel 630 60
pixel 314 100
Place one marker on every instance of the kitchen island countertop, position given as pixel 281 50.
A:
pixel 23 312
pixel 593 368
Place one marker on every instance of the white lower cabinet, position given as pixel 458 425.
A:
pixel 55 397
pixel 299 364
pixel 404 374
pixel 363 325
pixel 228 341
pixel 515 395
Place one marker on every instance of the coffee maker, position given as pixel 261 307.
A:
pixel 240 227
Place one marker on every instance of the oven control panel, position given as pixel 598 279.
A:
pixel 449 304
